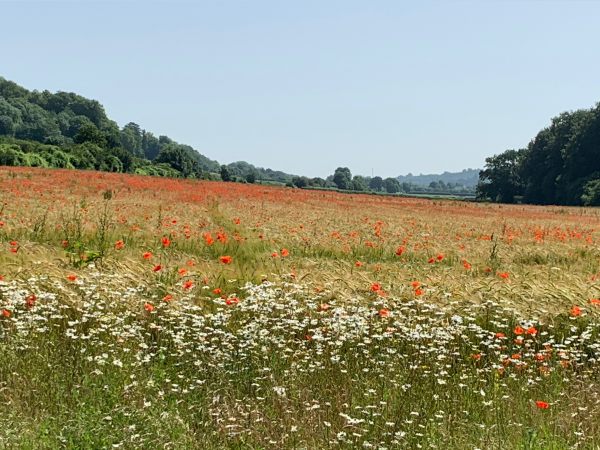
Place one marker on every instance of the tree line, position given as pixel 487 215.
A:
pixel 560 166
pixel 66 130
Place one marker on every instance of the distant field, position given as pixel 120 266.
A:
pixel 143 312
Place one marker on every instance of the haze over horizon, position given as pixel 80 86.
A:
pixel 382 87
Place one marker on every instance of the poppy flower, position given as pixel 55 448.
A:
pixel 147 255
pixel 217 291
pixel 440 256
pixel 119 245
pixel 274 255
pixel 284 252
pixel 575 311
pixel 384 313
pixel 499 335
pixel 418 292
pixel 182 271
pixel 375 287
pixel 5 313
pixel 71 277
pixel 595 301
pixel 415 284
pixel 157 268
pixel 358 264
pixel 232 301
pixel 30 301
pixel 503 275
pixel 466 264
pixel 166 241
pixel 167 298
pixel 208 239
pixel 532 331
pixel 519 330
pixel 226 259
pixel 542 405
pixel 188 284
pixel 400 250
pixel 149 307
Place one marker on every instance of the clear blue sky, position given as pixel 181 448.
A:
pixel 306 86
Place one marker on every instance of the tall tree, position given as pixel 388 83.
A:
pixel 501 178
pixel 342 178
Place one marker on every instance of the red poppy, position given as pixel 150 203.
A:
pixel 208 239
pixel 575 311
pixel 30 301
pixel 157 268
pixel 400 250
pixel 503 275
pixel 519 330
pixel 532 331
pixel 5 313
pixel 149 307
pixel 232 301
pixel 384 313
pixel 119 245
pixel 188 284
pixel 375 287
pixel 71 277
pixel 167 298
pixel 284 252
pixel 358 264
pixel 418 292
pixel 147 255
pixel 166 241
pixel 217 291
pixel 542 405
pixel 226 259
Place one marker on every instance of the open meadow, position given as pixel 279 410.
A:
pixel 145 312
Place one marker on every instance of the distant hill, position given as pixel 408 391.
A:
pixel 64 129
pixel 467 178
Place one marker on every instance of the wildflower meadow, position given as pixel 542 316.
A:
pixel 145 312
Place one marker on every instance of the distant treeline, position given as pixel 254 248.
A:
pixel 560 166
pixel 66 130
pixel 343 180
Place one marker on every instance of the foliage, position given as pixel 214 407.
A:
pixel 343 178
pixel 559 166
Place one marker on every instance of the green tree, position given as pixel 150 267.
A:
pixel 501 178
pixel 591 193
pixel 342 178
pixel 391 185
pixel 376 183
pixel 359 183
pixel 225 175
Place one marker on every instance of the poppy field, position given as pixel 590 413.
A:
pixel 145 312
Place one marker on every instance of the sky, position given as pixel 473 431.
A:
pixel 380 87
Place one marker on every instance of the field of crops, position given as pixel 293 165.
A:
pixel 142 312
